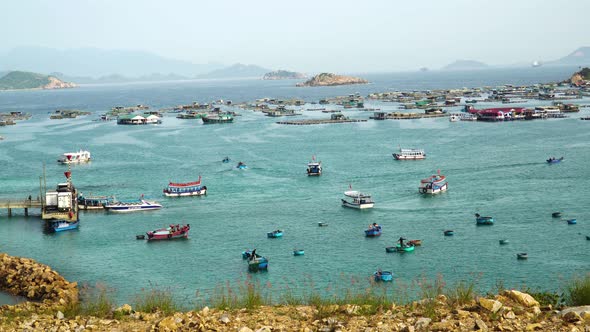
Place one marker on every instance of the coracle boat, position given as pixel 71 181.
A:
pixel 226 160
pixel 241 165
pixel 275 234
pixel 81 156
pixel 298 252
pixel 185 189
pixel 359 200
pixel 383 276
pixel 483 220
pixel 433 184
pixel 374 230
pixel 522 255
pixel 554 160
pixel 61 225
pixel 169 233
pixel 141 205
pixel 572 221
pixel 404 248
pixel 409 154
pixel 248 253
pixel 314 168
pixel 322 224
pixel 257 264
pixel 504 241
pixel 556 214
pixel 449 232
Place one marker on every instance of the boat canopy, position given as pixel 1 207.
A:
pixel 187 184
pixel 356 194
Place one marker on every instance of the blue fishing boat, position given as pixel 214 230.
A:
pixel 62 225
pixel 554 160
pixel 383 276
pixel 241 165
pixel 556 214
pixel 275 234
pixel 298 252
pixel 314 168
pixel 374 230
pixel 185 189
pixel 449 233
pixel 522 255
pixel 483 220
pixel 322 224
pixel 572 221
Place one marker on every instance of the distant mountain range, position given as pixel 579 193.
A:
pixel 236 70
pixel 579 57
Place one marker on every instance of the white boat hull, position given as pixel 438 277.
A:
pixel 401 157
pixel 357 206
pixel 192 193
pixel 431 191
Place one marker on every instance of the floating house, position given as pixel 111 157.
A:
pixel 136 119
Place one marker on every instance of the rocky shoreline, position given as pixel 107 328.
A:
pixel 509 311
pixel 329 79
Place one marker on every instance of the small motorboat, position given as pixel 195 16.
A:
pixel 383 276
pixel 169 233
pixel 298 252
pixel 587 237
pixel 226 160
pixel 275 234
pixel 257 264
pixel 322 224
pixel 241 165
pixel 62 225
pixel 359 200
pixel 554 160
pixel 556 214
pixel 374 230
pixel 572 221
pixel 504 241
pixel 433 184
pixel 483 220
pixel 314 168
pixel 449 232
pixel 415 243
pixel 522 255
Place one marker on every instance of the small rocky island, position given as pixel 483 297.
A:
pixel 21 80
pixel 283 75
pixel 581 77
pixel 329 79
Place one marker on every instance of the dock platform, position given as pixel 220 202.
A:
pixel 24 204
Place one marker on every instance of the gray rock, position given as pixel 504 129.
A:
pixel 481 325
pixel 422 323
pixel 59 315
pixel 224 319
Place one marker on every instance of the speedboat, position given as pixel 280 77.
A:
pixel 554 160
pixel 141 205
pixel 483 220
pixel 383 276
pixel 169 233
pixel 433 184
pixel 62 225
pixel 81 156
pixel 185 189
pixel 359 200
pixel 241 165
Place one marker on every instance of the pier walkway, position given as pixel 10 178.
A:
pixel 25 204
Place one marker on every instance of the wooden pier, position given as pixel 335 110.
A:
pixel 25 204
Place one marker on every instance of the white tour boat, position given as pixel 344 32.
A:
pixel 141 205
pixel 409 154
pixel 81 156
pixel 359 200
pixel 434 184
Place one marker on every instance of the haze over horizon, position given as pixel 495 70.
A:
pixel 308 36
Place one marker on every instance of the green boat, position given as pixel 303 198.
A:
pixel 405 248
pixel 221 118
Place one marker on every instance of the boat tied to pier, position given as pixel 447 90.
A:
pixel 433 184
pixel 359 200
pixel 81 156
pixel 170 233
pixel 314 168
pixel 55 226
pixel 94 202
pixel 409 154
pixel 133 206
pixel 185 189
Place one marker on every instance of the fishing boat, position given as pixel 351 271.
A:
pixel 298 252
pixel 359 200
pixel 314 168
pixel 504 241
pixel 81 156
pixel 322 224
pixel 275 234
pixel 257 264
pixel 409 154
pixel 483 220
pixel 217 118
pixel 62 225
pixel 185 189
pixel 241 165
pixel 404 248
pixel 588 237
pixel 449 232
pixel 522 255
pixel 373 230
pixel 169 233
pixel 572 221
pixel 554 160
pixel 134 206
pixel 433 184
pixel 94 202
pixel 556 214
pixel 226 160
pixel 383 276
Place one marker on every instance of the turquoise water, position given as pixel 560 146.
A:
pixel 495 169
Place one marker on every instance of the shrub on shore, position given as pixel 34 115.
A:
pixel 577 291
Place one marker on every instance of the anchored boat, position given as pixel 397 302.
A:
pixel 314 168
pixel 241 165
pixel 81 156
pixel 409 154
pixel 185 189
pixel 373 230
pixel 93 202
pixel 383 276
pixel 141 205
pixel 433 184
pixel 169 233
pixel 483 220
pixel 554 160
pixel 62 225
pixel 275 234
pixel 217 118
pixel 359 200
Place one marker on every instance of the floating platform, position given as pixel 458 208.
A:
pixel 316 122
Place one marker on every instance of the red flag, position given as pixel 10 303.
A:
pixel 67 174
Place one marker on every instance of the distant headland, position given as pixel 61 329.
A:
pixel 283 75
pixel 329 79
pixel 22 80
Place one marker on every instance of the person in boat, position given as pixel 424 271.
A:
pixel 477 215
pixel 375 226
pixel 379 273
pixel 253 255
pixel 401 242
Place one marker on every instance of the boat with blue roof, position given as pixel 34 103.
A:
pixel 62 225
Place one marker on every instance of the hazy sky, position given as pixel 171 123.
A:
pixel 307 35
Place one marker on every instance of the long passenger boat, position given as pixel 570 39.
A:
pixel 141 205
pixel 185 189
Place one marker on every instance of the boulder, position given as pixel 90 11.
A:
pixel 490 305
pixel 572 317
pixel 167 324
pixel 522 298
pixel 422 323
pixel 481 325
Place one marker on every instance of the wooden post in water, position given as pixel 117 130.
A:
pixel 9 212
pixel 26 212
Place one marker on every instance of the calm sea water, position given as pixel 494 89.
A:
pixel 495 169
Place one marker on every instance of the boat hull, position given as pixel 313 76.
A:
pixel 372 232
pixel 484 221
pixel 398 156
pixel 201 192
pixel 399 248
pixel 357 206
pixel 61 226
pixel 435 190
pixel 572 222
pixel 124 209
pixel 383 276
pixel 274 234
